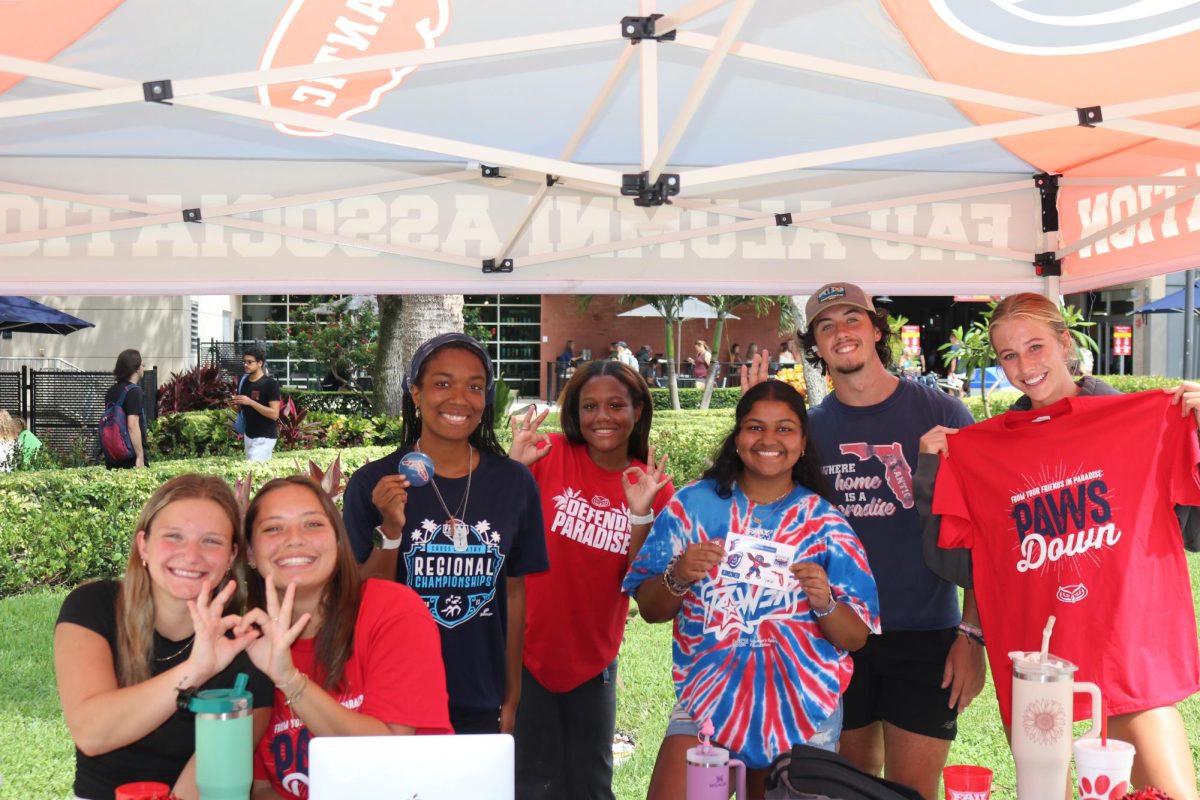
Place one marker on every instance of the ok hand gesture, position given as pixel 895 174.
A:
pixel 212 650
pixel 641 485
pixel 272 653
pixel 526 438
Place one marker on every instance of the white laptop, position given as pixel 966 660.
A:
pixel 470 767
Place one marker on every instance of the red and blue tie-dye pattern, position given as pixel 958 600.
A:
pixel 750 658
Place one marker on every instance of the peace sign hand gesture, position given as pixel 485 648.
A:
pixel 526 438
pixel 757 371
pixel 212 650
pixel 642 485
pixel 272 653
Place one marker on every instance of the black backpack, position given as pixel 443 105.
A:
pixel 808 771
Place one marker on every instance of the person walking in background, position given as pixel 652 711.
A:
pixel 601 489
pixel 786 357
pixel 733 376
pixel 701 362
pixel 258 399
pixel 128 372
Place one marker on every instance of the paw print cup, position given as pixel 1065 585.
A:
pixel 1103 768
pixel 967 782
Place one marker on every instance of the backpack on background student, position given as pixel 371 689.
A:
pixel 115 443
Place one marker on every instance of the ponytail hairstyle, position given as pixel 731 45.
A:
pixel 1043 311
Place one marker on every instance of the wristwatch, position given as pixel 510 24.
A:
pixel 383 542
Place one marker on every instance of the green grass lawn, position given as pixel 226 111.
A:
pixel 36 757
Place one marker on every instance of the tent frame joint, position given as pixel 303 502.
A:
pixel 783 220
pixel 637 29
pixel 644 193
pixel 1089 116
pixel 192 215
pixel 1046 265
pixel 488 171
pixel 158 92
pixel 551 180
pixel 490 267
pixel 1047 185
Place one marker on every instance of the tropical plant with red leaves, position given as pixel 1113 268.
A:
pixel 294 432
pixel 198 389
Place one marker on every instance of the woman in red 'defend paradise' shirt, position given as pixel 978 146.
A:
pixel 601 488
pixel 1036 351
pixel 348 658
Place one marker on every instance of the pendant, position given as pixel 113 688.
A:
pixel 458 531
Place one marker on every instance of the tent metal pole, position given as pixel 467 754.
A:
pixel 357 130
pixel 1133 219
pixel 904 144
pixel 1131 180
pixel 1154 130
pixel 662 238
pixel 1189 324
pixel 716 56
pixel 692 11
pixel 648 95
pixel 568 150
pixel 131 91
pixel 880 77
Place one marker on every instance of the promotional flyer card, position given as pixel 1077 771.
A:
pixel 759 561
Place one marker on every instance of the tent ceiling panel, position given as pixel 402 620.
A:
pixel 888 129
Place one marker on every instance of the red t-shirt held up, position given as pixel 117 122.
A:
pixel 1069 510
pixel 395 674
pixel 575 613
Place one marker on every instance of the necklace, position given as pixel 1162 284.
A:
pixel 770 502
pixel 178 652
pixel 454 522
pixel 767 507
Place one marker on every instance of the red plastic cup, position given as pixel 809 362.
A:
pixel 966 782
pixel 143 790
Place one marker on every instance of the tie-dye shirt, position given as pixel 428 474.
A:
pixel 750 658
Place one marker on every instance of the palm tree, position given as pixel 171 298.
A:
pixel 724 304
pixel 404 322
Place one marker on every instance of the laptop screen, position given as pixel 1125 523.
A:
pixel 411 767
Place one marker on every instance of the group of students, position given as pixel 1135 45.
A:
pixel 492 595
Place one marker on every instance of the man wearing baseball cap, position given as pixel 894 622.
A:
pixel 911 681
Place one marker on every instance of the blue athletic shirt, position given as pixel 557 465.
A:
pixel 753 659
pixel 868 454
pixel 461 575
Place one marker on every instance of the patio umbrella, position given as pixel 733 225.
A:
pixel 1172 303
pixel 23 315
pixel 692 309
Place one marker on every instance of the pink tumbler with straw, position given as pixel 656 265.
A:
pixel 708 770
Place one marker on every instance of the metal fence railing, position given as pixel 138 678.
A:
pixel 63 408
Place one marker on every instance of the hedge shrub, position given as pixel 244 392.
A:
pixel 61 527
pixel 334 402
pixel 690 398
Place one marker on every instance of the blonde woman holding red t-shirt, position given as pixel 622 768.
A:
pixel 1038 355
pixel 601 488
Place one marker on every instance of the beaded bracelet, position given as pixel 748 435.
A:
pixel 832 607
pixel 673 584
pixel 972 632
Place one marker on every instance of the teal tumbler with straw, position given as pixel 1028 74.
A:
pixel 224 741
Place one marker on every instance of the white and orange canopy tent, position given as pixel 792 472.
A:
pixel 599 146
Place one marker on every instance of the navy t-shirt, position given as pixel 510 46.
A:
pixel 461 574
pixel 868 454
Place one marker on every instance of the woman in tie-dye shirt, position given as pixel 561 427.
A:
pixel 768 588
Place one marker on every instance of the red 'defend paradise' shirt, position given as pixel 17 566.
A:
pixel 575 613
pixel 1069 510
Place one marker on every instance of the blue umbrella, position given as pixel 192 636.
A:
pixel 28 316
pixel 1172 303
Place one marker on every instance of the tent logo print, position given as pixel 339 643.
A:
pixel 1045 27
pixel 831 293
pixel 327 31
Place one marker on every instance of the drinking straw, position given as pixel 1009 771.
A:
pixel 1046 639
